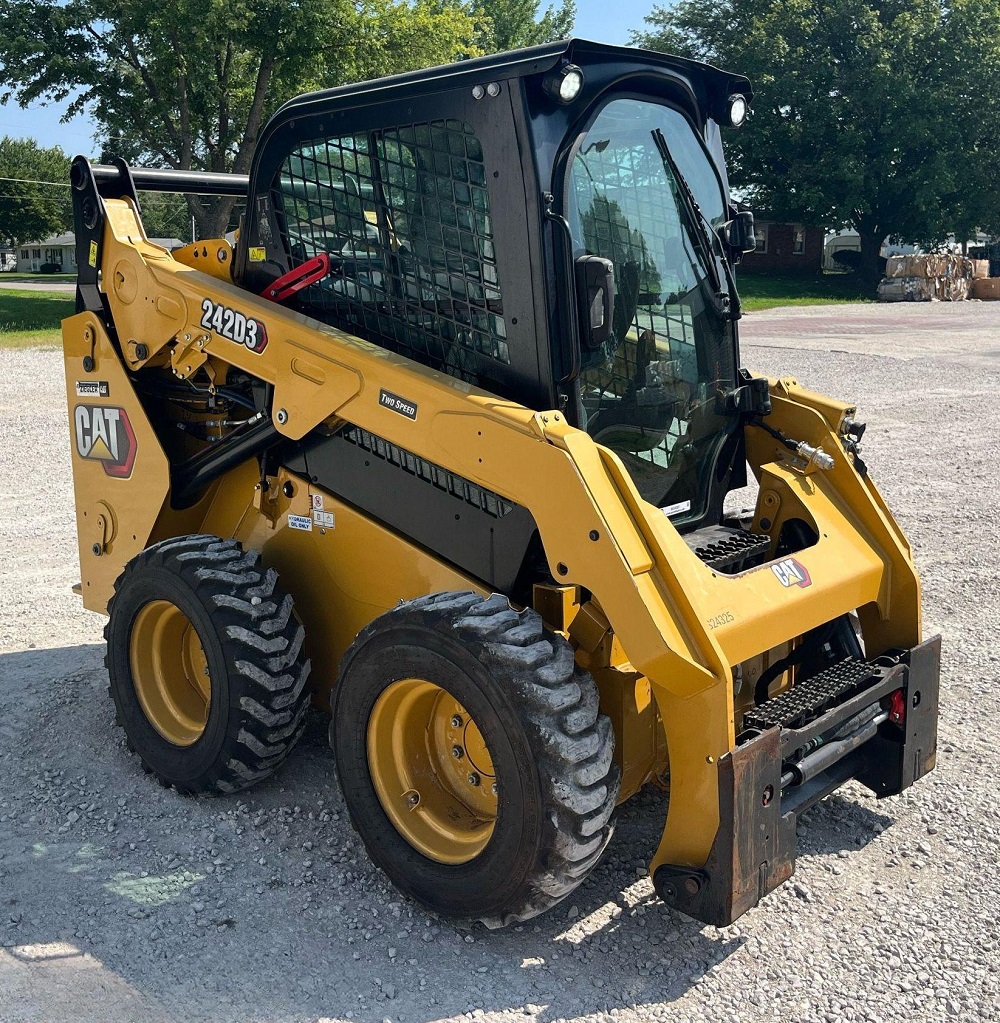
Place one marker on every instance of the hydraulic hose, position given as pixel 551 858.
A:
pixel 189 478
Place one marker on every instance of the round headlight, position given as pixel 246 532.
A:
pixel 564 84
pixel 736 107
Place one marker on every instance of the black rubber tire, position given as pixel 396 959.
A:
pixel 253 642
pixel 552 750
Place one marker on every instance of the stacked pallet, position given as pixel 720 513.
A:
pixel 937 277
pixel 986 289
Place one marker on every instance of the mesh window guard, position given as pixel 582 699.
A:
pixel 403 214
pixel 628 214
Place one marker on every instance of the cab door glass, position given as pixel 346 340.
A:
pixel 652 392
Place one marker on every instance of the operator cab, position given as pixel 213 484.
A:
pixel 552 225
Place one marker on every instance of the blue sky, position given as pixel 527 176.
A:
pixel 595 19
pixel 612 22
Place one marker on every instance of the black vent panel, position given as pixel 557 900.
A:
pixel 485 500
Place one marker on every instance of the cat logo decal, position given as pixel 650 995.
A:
pixel 104 434
pixel 791 573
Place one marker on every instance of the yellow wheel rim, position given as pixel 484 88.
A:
pixel 170 672
pixel 432 771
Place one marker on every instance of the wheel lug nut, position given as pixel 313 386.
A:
pixel 456 721
pixel 457 752
pixel 413 798
pixel 493 788
pixel 473 779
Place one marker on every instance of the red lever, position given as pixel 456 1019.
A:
pixel 311 271
pixel 897 708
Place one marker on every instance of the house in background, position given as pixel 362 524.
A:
pixel 784 248
pixel 60 250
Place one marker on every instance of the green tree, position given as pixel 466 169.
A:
pixel 165 215
pixel 511 24
pixel 855 119
pixel 386 37
pixel 972 53
pixel 189 84
pixel 30 211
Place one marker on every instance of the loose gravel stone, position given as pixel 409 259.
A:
pixel 123 901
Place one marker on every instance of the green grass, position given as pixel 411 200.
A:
pixel 769 291
pixel 30 319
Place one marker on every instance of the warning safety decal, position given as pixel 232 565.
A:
pixel 104 434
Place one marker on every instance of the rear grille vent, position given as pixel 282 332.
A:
pixel 485 500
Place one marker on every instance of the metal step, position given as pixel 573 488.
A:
pixel 806 700
pixel 728 550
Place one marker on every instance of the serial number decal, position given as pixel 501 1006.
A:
pixel 93 389
pixel 233 326
pixel 717 621
pixel 393 401
pixel 676 509
pixel 791 573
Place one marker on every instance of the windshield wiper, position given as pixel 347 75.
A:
pixel 703 229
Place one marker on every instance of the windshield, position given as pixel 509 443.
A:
pixel 651 392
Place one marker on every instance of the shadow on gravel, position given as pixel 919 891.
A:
pixel 115 893
pixel 50 664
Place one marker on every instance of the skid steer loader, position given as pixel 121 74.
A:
pixel 442 444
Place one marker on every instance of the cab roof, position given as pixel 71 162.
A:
pixel 533 60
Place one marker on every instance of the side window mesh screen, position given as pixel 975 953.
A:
pixel 404 216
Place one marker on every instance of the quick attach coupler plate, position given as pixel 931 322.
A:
pixel 754 848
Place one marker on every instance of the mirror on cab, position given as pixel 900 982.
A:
pixel 738 233
pixel 595 289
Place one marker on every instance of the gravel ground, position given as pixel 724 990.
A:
pixel 64 287
pixel 121 901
